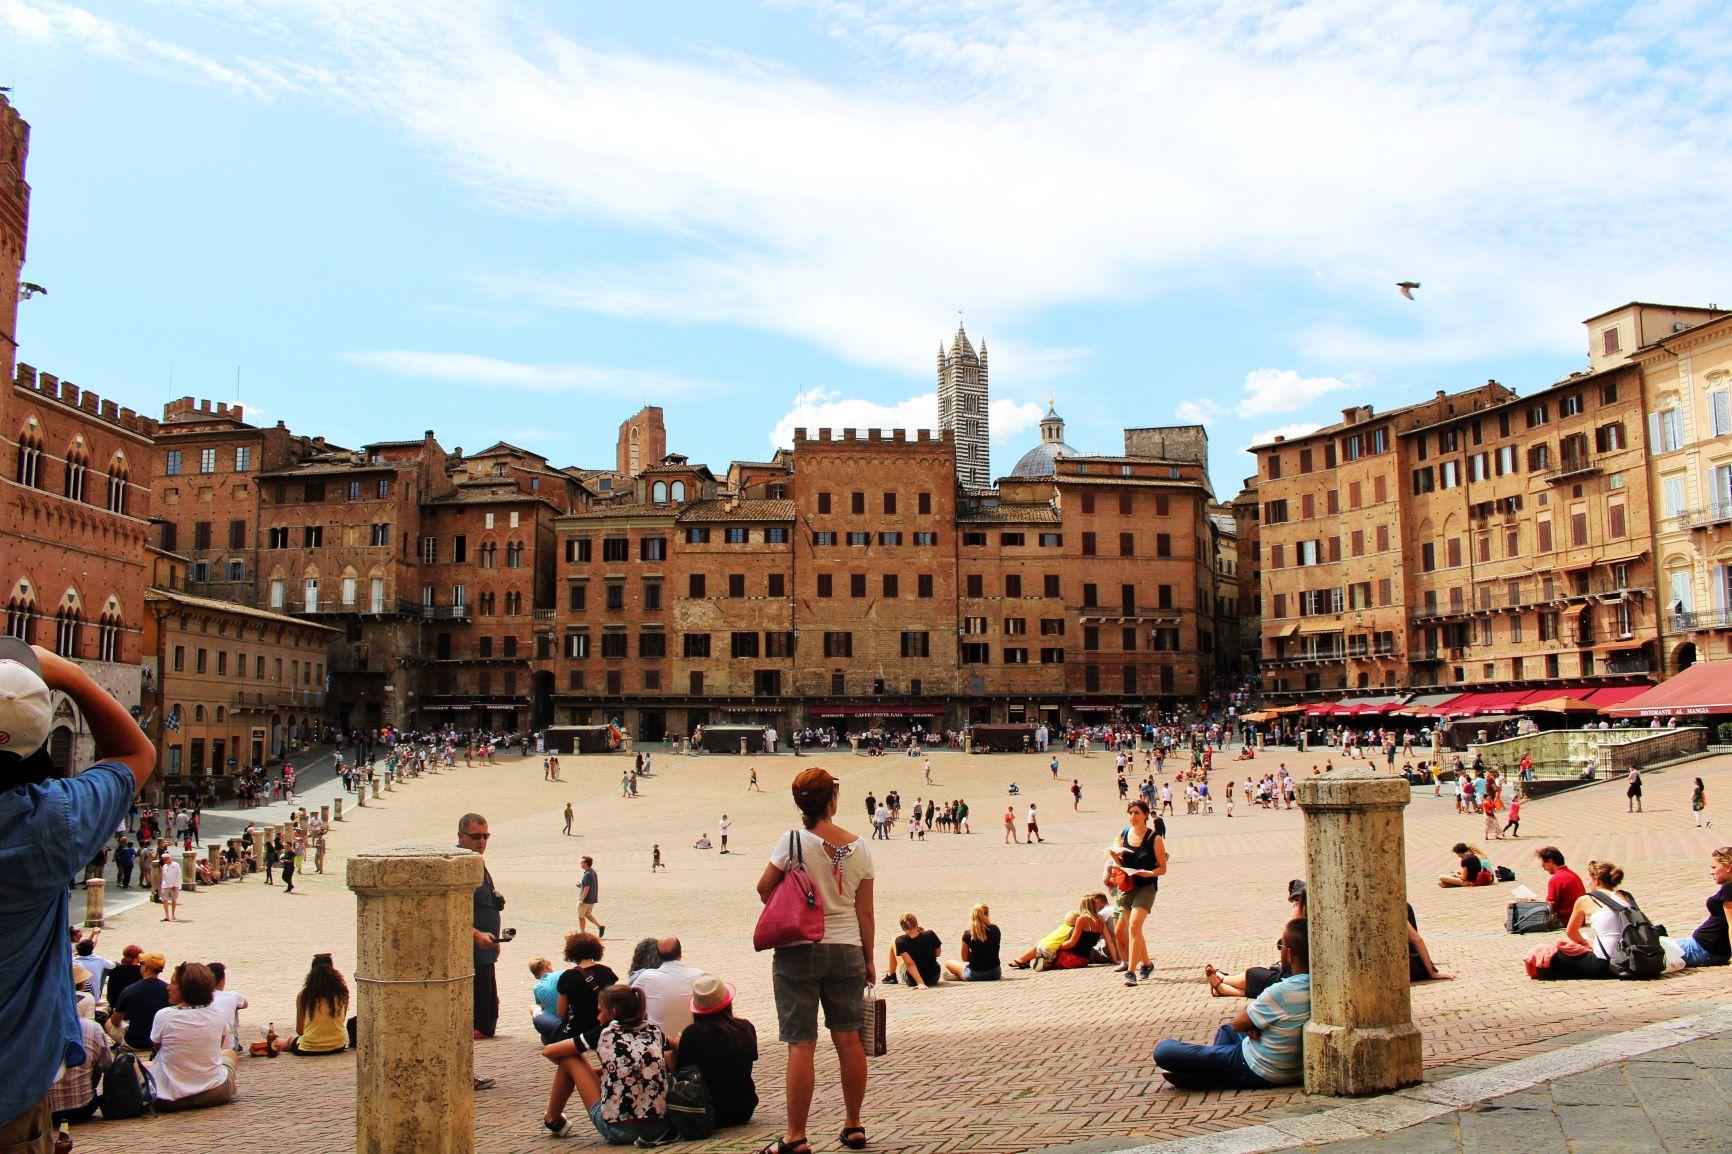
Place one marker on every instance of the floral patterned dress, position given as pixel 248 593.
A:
pixel 634 1072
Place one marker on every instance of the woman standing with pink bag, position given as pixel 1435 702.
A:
pixel 833 971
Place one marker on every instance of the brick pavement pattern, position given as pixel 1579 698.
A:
pixel 1035 1061
pixel 1673 1101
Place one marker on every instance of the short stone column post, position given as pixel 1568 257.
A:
pixel 414 979
pixel 214 858
pixel 337 809
pixel 189 870
pixel 361 795
pixel 1361 1038
pixel 258 849
pixel 94 891
pixel 743 747
pixel 375 789
pixel 324 815
pixel 390 785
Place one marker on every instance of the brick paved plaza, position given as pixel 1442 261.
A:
pixel 1035 1061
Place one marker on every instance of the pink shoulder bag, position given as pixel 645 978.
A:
pixel 793 916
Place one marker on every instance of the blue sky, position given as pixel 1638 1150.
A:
pixel 520 221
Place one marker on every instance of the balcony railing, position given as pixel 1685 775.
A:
pixel 1706 619
pixel 278 699
pixel 1572 465
pixel 1630 665
pixel 1528 596
pixel 1717 512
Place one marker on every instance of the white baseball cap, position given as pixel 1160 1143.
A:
pixel 26 705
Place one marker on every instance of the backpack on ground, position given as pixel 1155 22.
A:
pixel 1636 952
pixel 128 1090
pixel 690 1113
pixel 1529 918
pixel 1504 874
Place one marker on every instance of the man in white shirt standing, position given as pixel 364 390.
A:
pixel 723 827
pixel 170 885
pixel 667 989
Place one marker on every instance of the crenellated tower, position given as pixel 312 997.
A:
pixel 14 225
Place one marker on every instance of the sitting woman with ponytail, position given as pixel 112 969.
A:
pixel 1590 935
pixel 628 1101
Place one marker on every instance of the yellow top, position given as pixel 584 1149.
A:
pixel 326 1032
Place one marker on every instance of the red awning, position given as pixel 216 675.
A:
pixel 877 710
pixel 1704 688
pixel 1615 695
pixel 1323 709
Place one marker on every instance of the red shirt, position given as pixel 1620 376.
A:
pixel 1562 891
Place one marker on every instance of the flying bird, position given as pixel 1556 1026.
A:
pixel 1407 287
pixel 28 289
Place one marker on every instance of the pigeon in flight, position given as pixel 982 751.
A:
pixel 28 289
pixel 1407 287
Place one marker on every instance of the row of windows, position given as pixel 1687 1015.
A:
pixel 377 489
pixel 305 673
pixel 283 536
pixel 887 502
pixel 767 683
pixel 29 471
pixel 21 618
pixel 206 459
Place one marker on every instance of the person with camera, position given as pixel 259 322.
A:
pixel 49 828
pixel 472 835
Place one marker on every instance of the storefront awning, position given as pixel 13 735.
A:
pixel 876 711
pixel 1616 694
pixel 1704 688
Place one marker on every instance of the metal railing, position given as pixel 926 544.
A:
pixel 1528 596
pixel 1716 512
pixel 1706 619
pixel 1572 465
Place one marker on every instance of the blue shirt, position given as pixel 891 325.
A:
pixel 547 993
pixel 48 834
pixel 1280 1012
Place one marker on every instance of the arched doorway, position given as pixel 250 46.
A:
pixel 60 744
pixel 1683 657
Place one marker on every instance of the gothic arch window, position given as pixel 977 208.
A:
pixel 198 713
pixel 77 465
pixel 21 613
pixel 68 626
pixel 659 492
pixel 108 632
pixel 117 475
pixel 679 491
pixel 29 470
pixel 514 555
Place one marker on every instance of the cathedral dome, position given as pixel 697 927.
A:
pixel 1040 461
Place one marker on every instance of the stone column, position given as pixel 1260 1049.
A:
pixel 361 796
pixel 743 747
pixel 94 890
pixel 214 858
pixel 258 849
pixel 390 785
pixel 337 809
pixel 375 789
pixel 1361 1038
pixel 324 815
pixel 414 978
pixel 189 871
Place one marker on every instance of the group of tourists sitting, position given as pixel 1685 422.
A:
pixel 624 1047
pixel 180 1033
pixel 1606 935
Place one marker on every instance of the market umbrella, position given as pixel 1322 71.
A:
pixel 1564 705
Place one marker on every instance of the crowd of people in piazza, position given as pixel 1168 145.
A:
pixel 647 1053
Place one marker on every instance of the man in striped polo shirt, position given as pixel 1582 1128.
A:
pixel 1264 1043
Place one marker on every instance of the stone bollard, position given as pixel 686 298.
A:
pixel 1361 1038
pixel 375 789
pixel 337 809
pixel 324 815
pixel 361 796
pixel 414 978
pixel 390 785
pixel 189 871
pixel 743 747
pixel 258 850
pixel 94 889
pixel 214 858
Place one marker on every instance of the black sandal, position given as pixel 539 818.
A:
pixel 854 1143
pixel 778 1146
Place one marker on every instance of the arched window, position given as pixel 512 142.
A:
pixel 30 457
pixel 108 633
pixel 117 474
pixel 679 490
pixel 659 492
pixel 514 555
pixel 198 713
pixel 219 713
pixel 350 584
pixel 21 614
pixel 77 464
pixel 67 626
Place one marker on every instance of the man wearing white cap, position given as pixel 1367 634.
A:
pixel 50 827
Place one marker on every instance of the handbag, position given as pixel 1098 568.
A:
pixel 793 916
pixel 873 1019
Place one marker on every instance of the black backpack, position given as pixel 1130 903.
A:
pixel 690 1112
pixel 1637 952
pixel 128 1090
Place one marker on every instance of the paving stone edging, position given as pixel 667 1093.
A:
pixel 1372 1117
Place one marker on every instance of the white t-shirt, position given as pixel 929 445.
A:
pixel 170 873
pixel 189 1044
pixel 667 992
pixel 229 1004
pixel 840 925
pixel 723 825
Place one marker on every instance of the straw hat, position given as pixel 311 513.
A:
pixel 80 975
pixel 710 995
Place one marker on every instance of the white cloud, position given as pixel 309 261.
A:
pixel 1297 429
pixel 1283 391
pixel 822 408
pixel 1198 412
pixel 469 369
pixel 1015 157
pixel 1009 420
